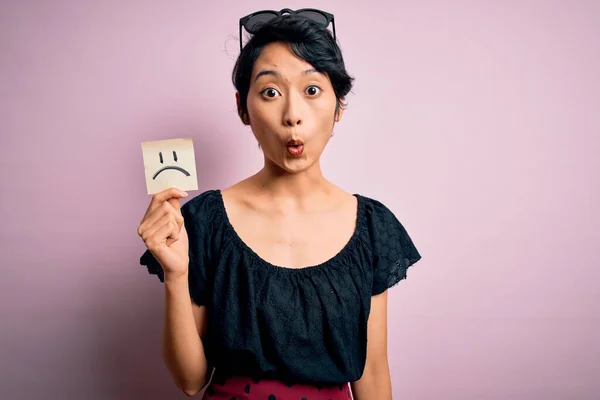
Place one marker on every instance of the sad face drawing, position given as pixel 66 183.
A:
pixel 176 168
pixel 169 163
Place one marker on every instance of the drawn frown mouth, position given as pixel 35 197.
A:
pixel 183 171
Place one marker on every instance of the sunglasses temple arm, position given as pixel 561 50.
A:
pixel 333 26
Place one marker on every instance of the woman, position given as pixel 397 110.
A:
pixel 278 281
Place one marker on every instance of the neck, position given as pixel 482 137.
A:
pixel 295 187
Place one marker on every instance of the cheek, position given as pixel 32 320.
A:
pixel 325 112
pixel 327 102
pixel 262 121
pixel 259 111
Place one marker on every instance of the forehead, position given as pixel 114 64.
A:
pixel 279 57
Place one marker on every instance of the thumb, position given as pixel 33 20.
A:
pixel 175 203
pixel 174 199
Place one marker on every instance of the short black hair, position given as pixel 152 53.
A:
pixel 308 41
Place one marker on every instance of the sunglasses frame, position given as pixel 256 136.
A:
pixel 244 20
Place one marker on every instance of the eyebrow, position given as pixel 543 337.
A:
pixel 270 72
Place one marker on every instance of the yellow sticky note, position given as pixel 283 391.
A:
pixel 169 163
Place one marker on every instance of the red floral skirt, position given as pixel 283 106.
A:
pixel 242 388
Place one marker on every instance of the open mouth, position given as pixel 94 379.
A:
pixel 295 148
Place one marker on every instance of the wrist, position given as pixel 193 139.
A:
pixel 176 278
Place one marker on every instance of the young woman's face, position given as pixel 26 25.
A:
pixel 291 108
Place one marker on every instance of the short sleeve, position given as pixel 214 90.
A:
pixel 393 249
pixel 197 225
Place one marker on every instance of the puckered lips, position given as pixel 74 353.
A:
pixel 295 147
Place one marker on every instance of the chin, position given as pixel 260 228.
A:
pixel 296 168
pixel 294 165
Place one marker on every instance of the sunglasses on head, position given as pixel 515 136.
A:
pixel 253 22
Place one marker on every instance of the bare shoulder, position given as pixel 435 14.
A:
pixel 341 198
pixel 238 196
pixel 236 189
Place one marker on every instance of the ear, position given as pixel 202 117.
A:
pixel 243 116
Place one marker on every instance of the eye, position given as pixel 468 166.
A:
pixel 270 92
pixel 313 90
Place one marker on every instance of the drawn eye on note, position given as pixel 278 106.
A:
pixel 169 163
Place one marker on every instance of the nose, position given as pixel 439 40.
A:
pixel 293 122
pixel 292 113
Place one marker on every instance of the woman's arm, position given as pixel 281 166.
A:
pixel 184 325
pixel 375 382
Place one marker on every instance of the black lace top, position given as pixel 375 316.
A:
pixel 306 325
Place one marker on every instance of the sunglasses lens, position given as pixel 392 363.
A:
pixel 315 16
pixel 256 21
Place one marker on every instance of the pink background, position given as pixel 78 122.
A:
pixel 478 124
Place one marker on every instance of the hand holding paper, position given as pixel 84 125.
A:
pixel 163 231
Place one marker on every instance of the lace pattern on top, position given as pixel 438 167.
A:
pixel 298 325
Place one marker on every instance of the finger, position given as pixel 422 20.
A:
pixel 161 197
pixel 175 203
pixel 158 233
pixel 177 210
pixel 168 194
pixel 153 217
pixel 161 238
pixel 157 214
